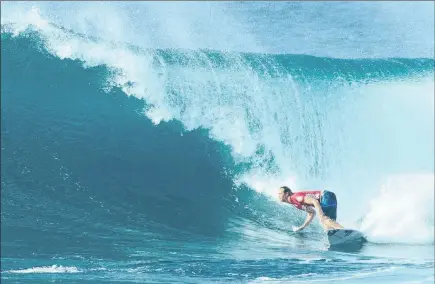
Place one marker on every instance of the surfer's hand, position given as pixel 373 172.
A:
pixel 296 229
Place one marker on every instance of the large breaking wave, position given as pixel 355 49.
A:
pixel 107 136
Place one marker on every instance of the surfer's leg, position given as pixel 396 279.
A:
pixel 330 212
pixel 330 216
pixel 329 224
pixel 328 203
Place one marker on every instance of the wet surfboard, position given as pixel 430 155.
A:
pixel 345 236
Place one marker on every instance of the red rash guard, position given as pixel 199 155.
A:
pixel 300 205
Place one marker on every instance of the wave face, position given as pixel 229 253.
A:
pixel 120 157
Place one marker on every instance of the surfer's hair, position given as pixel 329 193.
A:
pixel 286 189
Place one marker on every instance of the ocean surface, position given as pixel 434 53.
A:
pixel 144 142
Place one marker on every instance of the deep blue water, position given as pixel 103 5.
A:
pixel 122 162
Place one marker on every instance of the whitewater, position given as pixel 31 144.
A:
pixel 145 142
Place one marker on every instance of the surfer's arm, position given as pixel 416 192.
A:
pixel 316 204
pixel 310 216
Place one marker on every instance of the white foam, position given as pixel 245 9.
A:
pixel 145 24
pixel 403 212
pixel 267 184
pixel 47 269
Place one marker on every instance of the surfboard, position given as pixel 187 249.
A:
pixel 345 236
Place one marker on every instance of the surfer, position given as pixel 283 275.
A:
pixel 325 202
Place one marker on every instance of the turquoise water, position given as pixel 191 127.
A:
pixel 139 147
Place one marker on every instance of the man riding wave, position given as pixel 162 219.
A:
pixel 325 202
